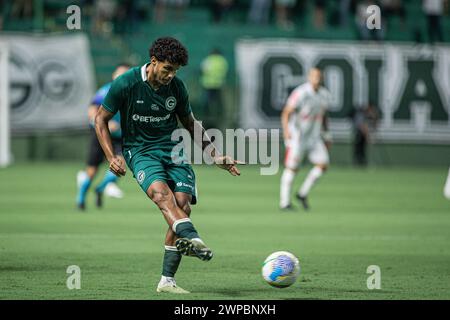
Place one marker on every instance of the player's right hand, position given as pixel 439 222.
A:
pixel 117 166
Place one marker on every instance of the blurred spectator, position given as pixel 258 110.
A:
pixel 180 8
pixel 259 12
pixel 390 8
pixel 214 69
pixel 364 121
pixel 22 9
pixel 127 17
pixel 361 22
pixel 319 13
pixel 159 13
pixel 161 6
pixel 104 12
pixel 219 8
pixel 344 11
pixel 434 10
pixel 282 13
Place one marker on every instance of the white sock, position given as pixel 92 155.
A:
pixel 447 186
pixel 286 184
pixel 165 280
pixel 310 180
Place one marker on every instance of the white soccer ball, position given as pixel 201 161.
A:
pixel 281 269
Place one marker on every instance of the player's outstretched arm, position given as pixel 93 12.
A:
pixel 222 161
pixel 288 110
pixel 116 162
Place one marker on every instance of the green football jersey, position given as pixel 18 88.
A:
pixel 148 116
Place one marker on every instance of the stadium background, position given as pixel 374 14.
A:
pixel 117 39
pixel 392 214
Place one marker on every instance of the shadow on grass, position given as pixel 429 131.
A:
pixel 299 293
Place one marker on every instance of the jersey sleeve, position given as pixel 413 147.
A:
pixel 115 98
pixel 183 107
pixel 296 98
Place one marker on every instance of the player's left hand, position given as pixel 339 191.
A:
pixel 229 164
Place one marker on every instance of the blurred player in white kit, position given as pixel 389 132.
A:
pixel 305 133
pixel 447 186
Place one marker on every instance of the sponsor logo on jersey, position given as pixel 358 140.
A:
pixel 154 107
pixel 147 119
pixel 141 176
pixel 182 184
pixel 139 101
pixel 171 103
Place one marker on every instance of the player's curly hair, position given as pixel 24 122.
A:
pixel 169 49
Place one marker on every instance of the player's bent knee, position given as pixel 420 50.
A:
pixel 292 169
pixel 162 197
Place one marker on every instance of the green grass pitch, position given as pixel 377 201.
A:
pixel 395 218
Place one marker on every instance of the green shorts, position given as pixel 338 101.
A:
pixel 157 165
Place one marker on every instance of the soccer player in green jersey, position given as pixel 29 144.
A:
pixel 150 100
